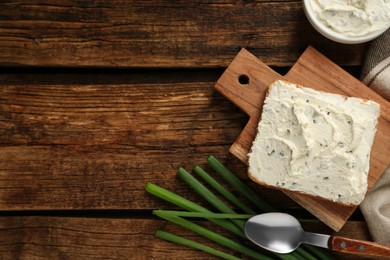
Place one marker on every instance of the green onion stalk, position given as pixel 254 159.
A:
pixel 228 218
pixel 186 242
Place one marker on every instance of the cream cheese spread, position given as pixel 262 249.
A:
pixel 353 17
pixel 314 142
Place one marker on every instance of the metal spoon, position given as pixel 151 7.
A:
pixel 282 233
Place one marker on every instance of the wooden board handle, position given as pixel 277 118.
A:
pixel 352 246
pixel 245 83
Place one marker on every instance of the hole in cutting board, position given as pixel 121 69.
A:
pixel 243 79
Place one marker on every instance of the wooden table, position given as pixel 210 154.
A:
pixel 100 97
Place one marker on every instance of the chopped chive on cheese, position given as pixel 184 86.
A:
pixel 316 143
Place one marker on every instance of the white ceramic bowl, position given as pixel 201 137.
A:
pixel 335 36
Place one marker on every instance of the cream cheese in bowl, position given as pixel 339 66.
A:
pixel 349 21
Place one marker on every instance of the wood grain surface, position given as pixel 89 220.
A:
pixel 98 97
pixel 311 70
pixel 49 162
pixel 166 33
pixel 359 247
pixel 39 237
pixel 96 146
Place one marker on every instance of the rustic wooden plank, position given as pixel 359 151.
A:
pixel 159 33
pixel 107 238
pixel 95 146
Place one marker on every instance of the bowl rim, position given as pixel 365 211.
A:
pixel 333 35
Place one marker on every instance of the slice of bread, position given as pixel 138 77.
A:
pixel 314 142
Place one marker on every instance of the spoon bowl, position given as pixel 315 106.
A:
pixel 280 233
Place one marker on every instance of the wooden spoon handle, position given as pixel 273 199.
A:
pixel 353 246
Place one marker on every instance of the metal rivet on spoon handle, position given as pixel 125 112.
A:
pixel 282 233
pixel 354 246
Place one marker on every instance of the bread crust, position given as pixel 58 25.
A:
pixel 297 192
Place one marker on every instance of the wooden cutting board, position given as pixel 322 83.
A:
pixel 245 83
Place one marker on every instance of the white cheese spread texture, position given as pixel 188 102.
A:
pixel 353 17
pixel 314 142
